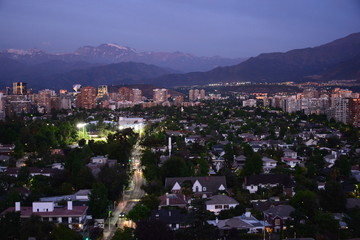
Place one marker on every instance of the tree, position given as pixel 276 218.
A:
pixel 98 201
pixel 333 198
pixel 344 165
pixel 148 158
pixel 202 167
pixel 35 227
pixel 10 225
pixel 248 151
pixel 305 202
pixel 153 229
pixel 175 167
pixel 353 221
pixel 229 155
pixel 150 201
pixel 200 229
pixel 23 175
pixel 253 164
pixel 114 179
pixel 327 225
pixel 138 213
pixel 124 234
pixel 61 232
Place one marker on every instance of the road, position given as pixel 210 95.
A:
pixel 130 197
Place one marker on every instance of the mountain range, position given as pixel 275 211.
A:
pixel 336 60
pixel 113 53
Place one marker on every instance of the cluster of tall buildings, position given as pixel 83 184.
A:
pixel 196 94
pixel 19 100
pixel 341 104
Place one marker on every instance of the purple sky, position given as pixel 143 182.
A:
pixel 228 28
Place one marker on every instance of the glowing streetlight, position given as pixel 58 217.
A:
pixel 81 125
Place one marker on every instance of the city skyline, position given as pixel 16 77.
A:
pixel 231 29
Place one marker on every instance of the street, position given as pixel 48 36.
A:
pixel 130 197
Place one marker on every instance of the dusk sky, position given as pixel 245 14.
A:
pixel 228 28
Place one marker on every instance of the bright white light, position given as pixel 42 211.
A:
pixel 81 125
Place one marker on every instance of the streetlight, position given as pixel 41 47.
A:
pixel 109 218
pixel 81 125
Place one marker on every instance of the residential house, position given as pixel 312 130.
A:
pixel 288 153
pixel 311 142
pixel 72 216
pixel 173 200
pixel 278 215
pixel 331 158
pixel 245 222
pixel 81 195
pixel 218 203
pixel 173 218
pixel 6 149
pixel 200 186
pixel 97 162
pixel 268 164
pixel 291 162
pixel 193 139
pixel 33 171
pixel 254 182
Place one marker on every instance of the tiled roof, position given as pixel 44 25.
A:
pixel 26 212
pixel 280 210
pixel 169 216
pixel 221 199
pixel 212 183
pixel 175 199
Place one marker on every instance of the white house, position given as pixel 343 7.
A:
pixel 99 160
pixel 291 162
pixel 72 216
pixel 268 164
pixel 218 203
pixel 254 182
pixel 288 153
pixel 200 186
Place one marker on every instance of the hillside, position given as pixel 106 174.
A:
pixel 296 65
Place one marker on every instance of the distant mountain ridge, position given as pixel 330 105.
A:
pixel 296 65
pixel 114 53
pixel 47 75
pixel 337 60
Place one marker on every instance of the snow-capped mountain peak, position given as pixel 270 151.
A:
pixel 117 46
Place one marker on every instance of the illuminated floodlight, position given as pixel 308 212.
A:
pixel 81 125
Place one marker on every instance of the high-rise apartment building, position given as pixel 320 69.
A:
pixel 196 94
pixel 124 94
pixel 43 99
pixel 86 98
pixel 160 95
pixel 202 94
pixel 102 91
pixel 19 88
pixel 136 96
pixel 355 111
pixel 191 95
pixel 340 110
